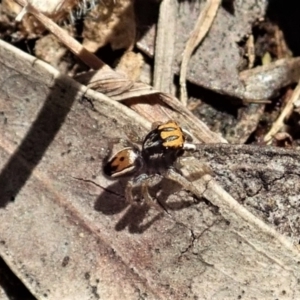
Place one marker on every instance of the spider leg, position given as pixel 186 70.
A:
pixel 131 184
pixel 142 180
pixel 149 200
pixel 177 177
pixel 128 192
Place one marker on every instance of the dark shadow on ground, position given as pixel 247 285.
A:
pixel 43 130
pixel 12 285
pixel 286 15
pixel 140 215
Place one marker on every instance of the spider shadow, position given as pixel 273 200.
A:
pixel 112 201
pixel 140 215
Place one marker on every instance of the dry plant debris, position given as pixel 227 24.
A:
pixel 287 110
pixel 92 240
pixel 202 27
pixel 110 22
pixel 164 46
pixel 106 80
pixel 241 82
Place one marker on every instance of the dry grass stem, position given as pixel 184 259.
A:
pixel 164 47
pixel 202 27
pixel 278 124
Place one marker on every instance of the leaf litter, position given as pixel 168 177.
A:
pixel 237 97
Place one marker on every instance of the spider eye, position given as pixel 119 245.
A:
pixel 125 162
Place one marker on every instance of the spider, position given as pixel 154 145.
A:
pixel 158 156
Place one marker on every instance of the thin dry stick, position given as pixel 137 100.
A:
pixel 278 124
pixel 202 26
pixel 87 57
pixel 164 46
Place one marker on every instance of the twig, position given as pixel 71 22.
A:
pixel 87 57
pixel 164 47
pixel 202 26
pixel 278 124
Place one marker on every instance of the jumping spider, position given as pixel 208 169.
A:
pixel 160 150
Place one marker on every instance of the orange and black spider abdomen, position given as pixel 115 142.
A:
pixel 165 138
pixel 123 163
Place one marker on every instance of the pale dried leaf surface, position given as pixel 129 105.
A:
pixel 67 232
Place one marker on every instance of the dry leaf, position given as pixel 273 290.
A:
pixel 67 233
